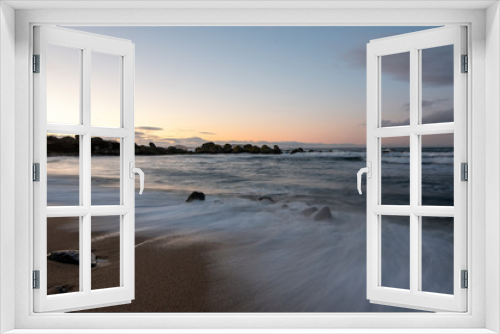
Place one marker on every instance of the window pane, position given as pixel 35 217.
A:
pixel 106 90
pixel 64 76
pixel 395 89
pixel 395 260
pixel 105 252
pixel 437 254
pixel 437 170
pixel 63 169
pixel 395 171
pixel 105 171
pixel 437 85
pixel 63 258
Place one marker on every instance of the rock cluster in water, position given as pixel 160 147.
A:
pixel 70 146
pixel 212 148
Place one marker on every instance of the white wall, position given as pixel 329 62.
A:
pixel 492 148
pixel 7 160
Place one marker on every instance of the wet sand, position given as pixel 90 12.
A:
pixel 181 282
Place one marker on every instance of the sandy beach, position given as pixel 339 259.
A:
pixel 182 279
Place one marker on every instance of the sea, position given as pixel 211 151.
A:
pixel 264 210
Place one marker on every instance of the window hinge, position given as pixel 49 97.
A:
pixel 36 63
pixel 465 279
pixel 464 168
pixel 465 63
pixel 36 279
pixel 36 172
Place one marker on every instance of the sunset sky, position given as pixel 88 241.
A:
pixel 239 84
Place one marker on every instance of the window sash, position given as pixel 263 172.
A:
pixel 413 43
pixel 86 298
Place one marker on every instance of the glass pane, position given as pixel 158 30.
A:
pixel 395 89
pixel 437 85
pixel 395 171
pixel 105 252
pixel 63 258
pixel 64 76
pixel 395 252
pixel 106 90
pixel 437 254
pixel 63 169
pixel 105 171
pixel 437 170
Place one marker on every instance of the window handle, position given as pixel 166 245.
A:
pixel 134 170
pixel 368 171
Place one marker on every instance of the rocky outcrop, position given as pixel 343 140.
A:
pixel 196 196
pixel 266 199
pixel 324 214
pixel 70 146
pixel 70 256
pixel 309 211
pixel 297 150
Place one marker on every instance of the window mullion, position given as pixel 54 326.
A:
pixel 414 170
pixel 86 175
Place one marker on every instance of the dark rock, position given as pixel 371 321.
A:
pixel 238 149
pixel 210 148
pixel 60 289
pixel 196 196
pixel 284 206
pixel 228 148
pixel 70 256
pixel 266 199
pixel 152 145
pixel 309 211
pixel 248 148
pixel 255 149
pixel 297 150
pixel 323 214
pixel 266 149
pixel 277 149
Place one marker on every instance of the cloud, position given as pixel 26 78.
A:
pixel 439 117
pixel 207 133
pixel 356 57
pixel 149 128
pixel 428 103
pixel 437 65
pixel 387 122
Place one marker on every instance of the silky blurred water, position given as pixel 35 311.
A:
pixel 289 262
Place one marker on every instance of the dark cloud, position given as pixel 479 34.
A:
pixel 206 133
pixel 149 128
pixel 437 65
pixel 427 103
pixel 386 122
pixel 439 117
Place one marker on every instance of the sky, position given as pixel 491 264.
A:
pixel 261 84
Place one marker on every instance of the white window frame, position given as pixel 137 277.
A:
pixel 482 19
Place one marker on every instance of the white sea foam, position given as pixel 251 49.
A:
pixel 287 261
